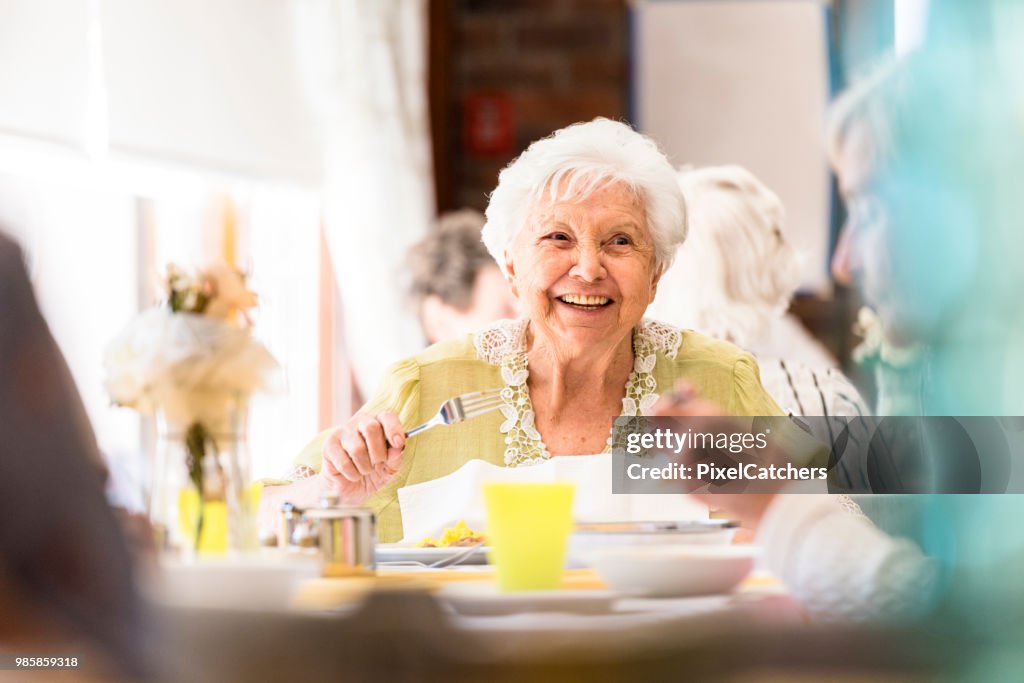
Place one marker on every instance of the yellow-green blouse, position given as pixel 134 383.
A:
pixel 495 357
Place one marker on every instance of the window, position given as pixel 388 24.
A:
pixel 98 235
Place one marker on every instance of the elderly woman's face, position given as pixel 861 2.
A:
pixel 584 270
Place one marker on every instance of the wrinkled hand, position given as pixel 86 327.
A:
pixel 683 401
pixel 363 455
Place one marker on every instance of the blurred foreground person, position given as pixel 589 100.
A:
pixel 456 285
pixel 933 231
pixel 66 585
pixel 734 279
pixel 930 159
pixel 841 567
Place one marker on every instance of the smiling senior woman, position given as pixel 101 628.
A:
pixel 583 223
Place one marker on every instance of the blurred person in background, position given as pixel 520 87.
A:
pixel 66 580
pixel 456 285
pixel 737 273
pixel 734 279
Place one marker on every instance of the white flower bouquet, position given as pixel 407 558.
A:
pixel 194 361
pixel 199 344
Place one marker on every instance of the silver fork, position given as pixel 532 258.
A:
pixel 452 560
pixel 461 408
pixel 457 558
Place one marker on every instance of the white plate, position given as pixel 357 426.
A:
pixel 674 570
pixel 477 598
pixel 393 552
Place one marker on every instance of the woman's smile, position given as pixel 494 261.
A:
pixel 585 303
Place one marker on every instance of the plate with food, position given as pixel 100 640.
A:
pixel 452 542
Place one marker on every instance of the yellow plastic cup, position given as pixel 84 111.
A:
pixel 528 528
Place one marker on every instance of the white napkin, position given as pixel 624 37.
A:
pixel 429 507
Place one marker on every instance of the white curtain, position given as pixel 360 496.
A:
pixel 364 63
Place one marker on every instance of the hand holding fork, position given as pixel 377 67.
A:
pixel 367 451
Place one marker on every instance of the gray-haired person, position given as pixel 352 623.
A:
pixel 456 285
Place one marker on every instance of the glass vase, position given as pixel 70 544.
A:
pixel 202 498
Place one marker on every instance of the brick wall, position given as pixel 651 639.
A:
pixel 553 62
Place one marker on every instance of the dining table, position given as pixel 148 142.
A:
pixel 412 623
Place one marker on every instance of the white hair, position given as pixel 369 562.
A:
pixel 737 271
pixel 578 160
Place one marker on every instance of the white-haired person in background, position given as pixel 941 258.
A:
pixel 734 280
pixel 583 223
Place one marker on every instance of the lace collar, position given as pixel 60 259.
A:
pixel 504 344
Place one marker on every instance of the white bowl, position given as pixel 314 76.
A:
pixel 592 537
pixel 673 570
pixel 249 583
